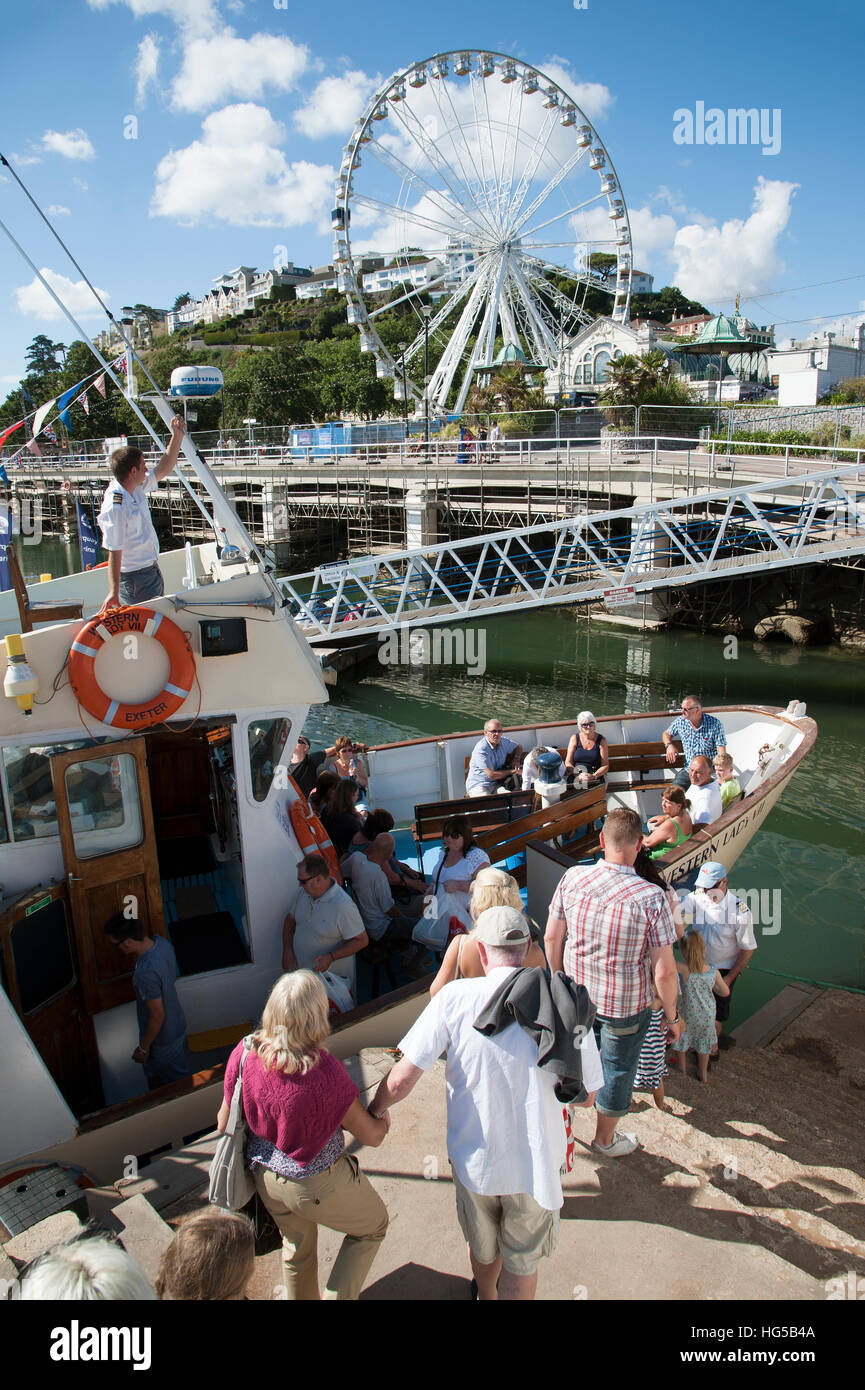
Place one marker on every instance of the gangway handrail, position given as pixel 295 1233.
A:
pixel 418 586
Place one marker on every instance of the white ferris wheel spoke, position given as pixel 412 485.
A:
pixel 537 203
pixel 418 134
pixel 403 216
pixel 538 151
pixel 411 176
pixel 457 125
pixel 568 212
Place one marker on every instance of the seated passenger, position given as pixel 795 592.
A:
pixel 322 792
pixel 383 920
pixel 399 875
pixel 305 765
pixel 88 1268
pixel 704 795
pixel 462 961
pixel 345 762
pixel 339 816
pixel 672 827
pixel 730 789
pixel 323 928
pixel 530 769
pixel 588 755
pixel 458 864
pixel 493 763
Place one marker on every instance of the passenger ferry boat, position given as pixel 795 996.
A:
pixel 143 767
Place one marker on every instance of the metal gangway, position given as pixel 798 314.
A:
pixel 746 529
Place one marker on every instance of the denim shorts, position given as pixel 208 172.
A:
pixel 619 1041
pixel 137 586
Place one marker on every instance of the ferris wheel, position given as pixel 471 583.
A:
pixel 475 181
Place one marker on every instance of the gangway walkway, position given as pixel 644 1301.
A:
pixel 736 531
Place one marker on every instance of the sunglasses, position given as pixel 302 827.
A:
pixel 589 724
pixel 311 879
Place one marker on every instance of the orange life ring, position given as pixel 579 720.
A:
pixel 311 834
pixel 82 668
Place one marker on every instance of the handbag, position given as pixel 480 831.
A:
pixel 231 1183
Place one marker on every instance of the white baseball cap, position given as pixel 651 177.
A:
pixel 501 926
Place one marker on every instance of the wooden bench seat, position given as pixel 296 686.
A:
pixel 482 813
pixel 550 822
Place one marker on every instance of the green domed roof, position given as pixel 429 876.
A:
pixel 718 331
pixel 512 355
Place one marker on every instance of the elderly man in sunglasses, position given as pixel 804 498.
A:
pixel 702 736
pixel 493 763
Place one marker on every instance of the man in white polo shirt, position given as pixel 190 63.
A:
pixel 727 927
pixel 381 916
pixel 505 1134
pixel 704 794
pixel 124 520
pixel 323 930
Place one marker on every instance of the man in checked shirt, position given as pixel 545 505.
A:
pixel 613 932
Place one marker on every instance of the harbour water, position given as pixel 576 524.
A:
pixel 808 861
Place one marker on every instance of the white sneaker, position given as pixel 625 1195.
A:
pixel 620 1145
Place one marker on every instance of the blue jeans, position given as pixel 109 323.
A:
pixel 165 1064
pixel 137 586
pixel 620 1041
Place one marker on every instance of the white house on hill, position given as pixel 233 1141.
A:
pixel 808 370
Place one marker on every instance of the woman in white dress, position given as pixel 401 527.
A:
pixel 452 877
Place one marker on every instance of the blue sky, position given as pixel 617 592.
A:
pixel 243 108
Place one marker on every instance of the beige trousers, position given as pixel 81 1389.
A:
pixel 342 1199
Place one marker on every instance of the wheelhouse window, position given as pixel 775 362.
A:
pixel 267 739
pixel 104 805
pixel 31 790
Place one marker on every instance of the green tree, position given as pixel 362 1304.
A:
pixel 185 298
pixel 41 359
pixel 276 386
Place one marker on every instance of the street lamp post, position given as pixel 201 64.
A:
pixel 251 423
pixel 403 348
pixel 426 310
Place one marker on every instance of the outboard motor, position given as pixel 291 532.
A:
pixel 548 785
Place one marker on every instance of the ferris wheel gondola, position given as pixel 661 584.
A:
pixel 486 190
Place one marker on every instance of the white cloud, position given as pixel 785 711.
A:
pixel 223 66
pixel 24 159
pixel 335 104
pixel 192 16
pixel 35 301
pixel 57 210
pixel 593 98
pixel 714 262
pixel 237 173
pixel 82 184
pixel 146 66
pixel 651 234
pixel 71 144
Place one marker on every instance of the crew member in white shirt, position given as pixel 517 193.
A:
pixel 704 795
pixel 124 520
pixel 505 1134
pixel 727 927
